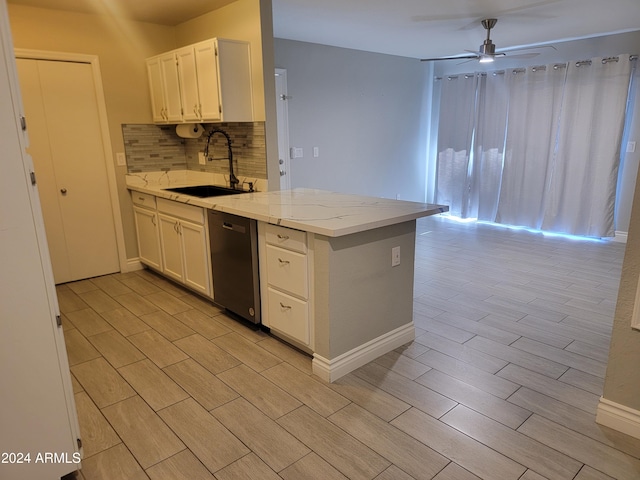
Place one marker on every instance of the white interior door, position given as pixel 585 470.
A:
pixel 66 144
pixel 283 128
pixel 37 413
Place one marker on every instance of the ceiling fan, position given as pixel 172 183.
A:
pixel 486 53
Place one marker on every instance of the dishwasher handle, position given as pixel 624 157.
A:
pixel 234 227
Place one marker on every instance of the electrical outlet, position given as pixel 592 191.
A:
pixel 631 147
pixel 201 158
pixel 316 152
pixel 395 256
pixel 121 159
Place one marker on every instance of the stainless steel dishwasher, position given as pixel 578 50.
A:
pixel 234 262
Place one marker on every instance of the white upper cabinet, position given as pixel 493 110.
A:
pixel 212 83
pixel 206 61
pixel 165 88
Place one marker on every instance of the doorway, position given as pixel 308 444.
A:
pixel 283 129
pixel 67 142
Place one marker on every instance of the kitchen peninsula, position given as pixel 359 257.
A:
pixel 336 270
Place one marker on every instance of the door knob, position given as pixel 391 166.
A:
pixel 63 191
pixel 281 161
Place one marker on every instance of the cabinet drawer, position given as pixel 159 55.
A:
pixel 143 199
pixel 182 210
pixel 289 315
pixel 286 238
pixel 287 271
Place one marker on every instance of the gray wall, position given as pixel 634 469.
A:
pixel 622 381
pixel 366 113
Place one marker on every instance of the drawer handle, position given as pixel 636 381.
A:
pixel 141 199
pixel 285 307
pixel 283 237
pixel 283 262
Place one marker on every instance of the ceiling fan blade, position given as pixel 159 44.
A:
pixel 458 57
pixel 525 55
pixel 518 49
pixel 480 54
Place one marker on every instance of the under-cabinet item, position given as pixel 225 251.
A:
pixel 234 263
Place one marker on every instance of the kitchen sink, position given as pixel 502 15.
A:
pixel 204 191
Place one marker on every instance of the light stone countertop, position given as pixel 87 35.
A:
pixel 316 211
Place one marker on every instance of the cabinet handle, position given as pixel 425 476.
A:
pixel 153 220
pixel 283 262
pixel 285 307
pixel 195 110
pixel 283 237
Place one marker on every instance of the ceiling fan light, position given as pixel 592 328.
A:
pixel 486 59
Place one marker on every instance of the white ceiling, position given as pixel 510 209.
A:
pixel 411 28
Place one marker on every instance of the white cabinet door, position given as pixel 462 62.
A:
pixel 185 252
pixel 37 412
pixel 196 261
pixel 164 85
pixel 173 104
pixel 208 79
pixel 148 237
pixel 156 87
pixel 188 75
pixel 171 246
pixel 234 79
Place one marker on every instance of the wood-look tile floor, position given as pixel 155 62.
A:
pixel 502 381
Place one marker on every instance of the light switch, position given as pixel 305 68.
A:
pixel 121 160
pixel 316 152
pixel 631 147
pixel 395 256
pixel 202 160
pixel 295 152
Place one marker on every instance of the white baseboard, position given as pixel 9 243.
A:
pixel 133 264
pixel 331 370
pixel 618 417
pixel 620 237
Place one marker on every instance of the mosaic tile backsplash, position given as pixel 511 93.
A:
pixel 152 147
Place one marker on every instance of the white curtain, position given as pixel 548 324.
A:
pixel 535 96
pixel 536 147
pixel 582 192
pixel 488 151
pixel 455 129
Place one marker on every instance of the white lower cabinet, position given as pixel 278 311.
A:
pixel 285 275
pixel 288 314
pixel 147 230
pixel 184 245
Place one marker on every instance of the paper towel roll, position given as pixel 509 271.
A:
pixel 189 130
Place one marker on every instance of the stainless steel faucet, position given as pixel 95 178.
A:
pixel 233 180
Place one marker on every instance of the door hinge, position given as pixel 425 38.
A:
pixel 33 177
pixel 79 442
pixel 23 123
pixel 58 320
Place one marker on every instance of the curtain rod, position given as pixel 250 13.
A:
pixel 540 67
